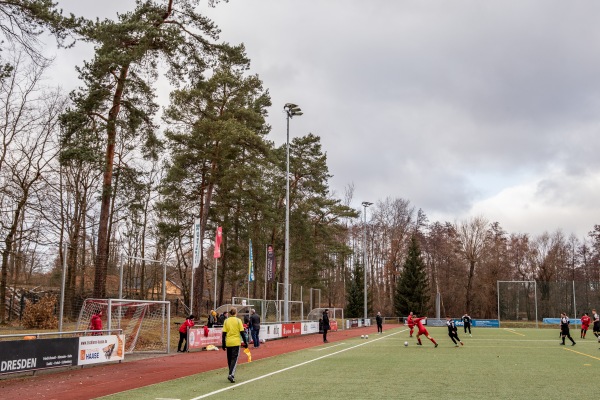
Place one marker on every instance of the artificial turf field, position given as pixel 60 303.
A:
pixel 494 363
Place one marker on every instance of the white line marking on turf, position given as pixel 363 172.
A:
pixel 292 367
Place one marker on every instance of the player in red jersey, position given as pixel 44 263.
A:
pixel 423 331
pixel 585 324
pixel 410 323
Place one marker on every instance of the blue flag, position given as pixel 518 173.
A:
pixel 250 265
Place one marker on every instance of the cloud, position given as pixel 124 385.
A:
pixel 462 107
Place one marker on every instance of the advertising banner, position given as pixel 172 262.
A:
pixel 333 325
pixel 199 338
pixel 354 323
pixel 270 263
pixel 481 323
pixel 310 327
pixel 196 249
pixel 250 263
pixel 270 331
pixel 556 321
pixel 29 355
pixel 100 349
pixel 218 239
pixel 292 329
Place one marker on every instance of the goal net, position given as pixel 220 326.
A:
pixel 144 323
pixel 517 301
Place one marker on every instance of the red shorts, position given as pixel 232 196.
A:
pixel 423 332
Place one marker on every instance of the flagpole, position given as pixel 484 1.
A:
pixel 249 268
pixel 266 266
pixel 217 255
pixel 215 296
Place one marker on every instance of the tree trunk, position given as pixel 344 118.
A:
pixel 103 229
pixel 470 285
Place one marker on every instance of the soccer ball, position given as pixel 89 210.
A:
pixel 262 340
pixel 366 336
pixel 362 336
pixel 405 344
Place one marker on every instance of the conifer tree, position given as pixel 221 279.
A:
pixel 355 306
pixel 412 291
pixel 117 101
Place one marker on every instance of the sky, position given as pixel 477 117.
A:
pixel 465 108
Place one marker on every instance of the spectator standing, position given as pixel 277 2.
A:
pixel 255 327
pixel 466 319
pixel 326 325
pixel 379 321
pixel 222 318
pixel 233 335
pixel 183 332
pixel 212 318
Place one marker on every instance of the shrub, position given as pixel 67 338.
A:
pixel 40 315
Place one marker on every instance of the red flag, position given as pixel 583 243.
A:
pixel 218 239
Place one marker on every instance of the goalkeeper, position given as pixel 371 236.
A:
pixel 233 334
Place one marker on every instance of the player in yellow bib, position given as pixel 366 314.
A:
pixel 233 335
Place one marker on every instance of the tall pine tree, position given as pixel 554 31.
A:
pixel 355 306
pixel 412 291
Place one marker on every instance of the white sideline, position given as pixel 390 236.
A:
pixel 292 367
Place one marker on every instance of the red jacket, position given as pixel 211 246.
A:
pixel 184 326
pixel 96 323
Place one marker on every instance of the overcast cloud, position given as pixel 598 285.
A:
pixel 464 108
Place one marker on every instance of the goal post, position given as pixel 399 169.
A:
pixel 517 301
pixel 145 323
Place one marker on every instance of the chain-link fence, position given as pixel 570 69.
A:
pixel 536 300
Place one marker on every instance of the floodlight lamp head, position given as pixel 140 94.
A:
pixel 366 203
pixel 292 109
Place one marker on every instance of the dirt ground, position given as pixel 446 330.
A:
pixel 142 370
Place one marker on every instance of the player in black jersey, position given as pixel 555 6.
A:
pixel 453 331
pixel 564 329
pixel 466 319
pixel 596 328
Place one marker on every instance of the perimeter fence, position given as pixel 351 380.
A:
pixel 532 301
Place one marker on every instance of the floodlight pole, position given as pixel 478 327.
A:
pixel 290 110
pixel 365 204
pixel 62 288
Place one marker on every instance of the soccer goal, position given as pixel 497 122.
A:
pixel 517 301
pixel 145 323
